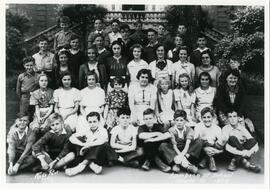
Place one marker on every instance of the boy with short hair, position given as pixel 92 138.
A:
pixel 150 49
pixel 27 82
pixel 211 137
pixel 20 140
pixel 182 31
pixel 150 136
pixel 62 38
pixel 56 154
pixel 94 147
pixel 138 37
pixel 124 139
pixel 125 33
pixel 164 36
pixel 239 143
pixel 44 59
pixel 182 145
pixel 195 57
pixel 76 58
pixel 114 34
pixel 98 25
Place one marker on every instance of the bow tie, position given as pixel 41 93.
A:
pixel 161 64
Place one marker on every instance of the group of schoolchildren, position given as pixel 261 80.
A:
pixel 132 105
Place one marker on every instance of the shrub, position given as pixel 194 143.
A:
pixel 246 40
pixel 17 24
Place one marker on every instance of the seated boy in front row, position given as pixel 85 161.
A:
pixel 20 140
pixel 210 133
pixel 151 135
pixel 239 143
pixel 182 145
pixel 56 141
pixel 124 139
pixel 94 147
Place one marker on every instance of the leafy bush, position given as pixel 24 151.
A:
pixel 17 24
pixel 246 41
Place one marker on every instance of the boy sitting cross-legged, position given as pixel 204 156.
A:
pixel 124 139
pixel 94 147
pixel 57 154
pixel 151 135
pixel 239 143
pixel 20 140
pixel 182 145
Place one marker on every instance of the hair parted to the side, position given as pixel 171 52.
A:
pixel 28 59
pixel 206 110
pixel 149 111
pixel 53 117
pixel 93 114
pixel 180 113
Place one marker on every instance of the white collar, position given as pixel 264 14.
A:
pixel 207 91
pixel 152 45
pixel 101 51
pixel 20 135
pixel 201 50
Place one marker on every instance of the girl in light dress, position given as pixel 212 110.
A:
pixel 92 98
pixel 165 103
pixel 115 100
pixel 182 66
pixel 205 94
pixel 136 64
pixel 161 67
pixel 185 98
pixel 66 100
pixel 42 99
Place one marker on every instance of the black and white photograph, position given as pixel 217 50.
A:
pixel 136 93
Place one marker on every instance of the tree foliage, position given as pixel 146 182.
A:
pixel 17 24
pixel 247 39
pixel 191 15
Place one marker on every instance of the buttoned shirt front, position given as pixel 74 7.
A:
pixel 43 61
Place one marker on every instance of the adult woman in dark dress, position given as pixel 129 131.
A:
pixel 231 95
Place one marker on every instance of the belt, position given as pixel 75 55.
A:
pixel 142 103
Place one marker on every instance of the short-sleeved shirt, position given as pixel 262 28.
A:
pixel 62 38
pixel 210 134
pixel 158 73
pixel 42 98
pixel 186 98
pixel 92 98
pixel 204 98
pixel 66 98
pixel 180 68
pixel 240 132
pixel 135 67
pixel 144 129
pixel 91 136
pixel 27 82
pixel 124 136
pixel 44 62
pixel 179 137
